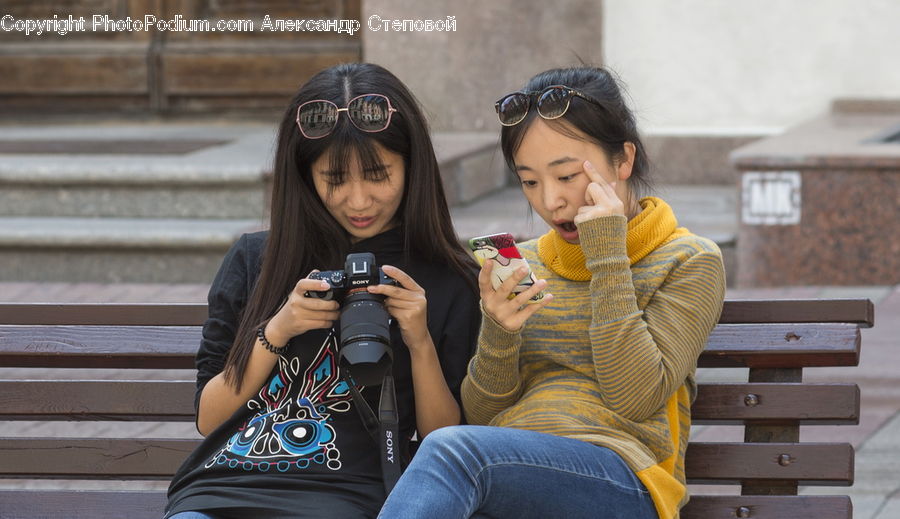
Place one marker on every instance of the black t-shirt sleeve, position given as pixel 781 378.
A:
pixel 459 337
pixel 227 297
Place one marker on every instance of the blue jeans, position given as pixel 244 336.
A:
pixel 474 471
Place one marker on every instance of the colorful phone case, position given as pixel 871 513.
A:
pixel 501 249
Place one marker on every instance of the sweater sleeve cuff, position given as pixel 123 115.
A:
pixel 494 332
pixel 495 367
pixel 603 241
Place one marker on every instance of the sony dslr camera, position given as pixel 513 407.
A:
pixel 364 326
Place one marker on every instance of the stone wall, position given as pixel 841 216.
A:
pixel 122 71
pixel 496 47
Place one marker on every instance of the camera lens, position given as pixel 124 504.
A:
pixel 365 338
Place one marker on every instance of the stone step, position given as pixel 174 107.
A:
pixel 231 200
pixel 177 170
pixel 159 202
pixel 180 250
pixel 162 202
pixel 152 170
pixel 471 165
pixel 115 250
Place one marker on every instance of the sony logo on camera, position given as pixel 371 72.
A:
pixel 360 270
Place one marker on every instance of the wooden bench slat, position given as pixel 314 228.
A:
pixel 82 504
pixel 856 311
pixel 174 347
pixel 807 404
pixel 768 507
pixel 782 346
pixel 76 400
pixel 809 463
pixel 93 458
pixel 127 347
pixel 170 400
pixel 112 314
pixel 860 312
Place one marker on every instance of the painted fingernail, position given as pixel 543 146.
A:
pixel 588 164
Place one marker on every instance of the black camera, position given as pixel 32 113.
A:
pixel 365 338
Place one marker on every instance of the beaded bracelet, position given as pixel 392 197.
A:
pixel 265 342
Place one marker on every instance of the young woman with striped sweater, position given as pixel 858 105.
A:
pixel 586 396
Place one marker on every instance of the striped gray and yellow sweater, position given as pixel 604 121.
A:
pixel 610 360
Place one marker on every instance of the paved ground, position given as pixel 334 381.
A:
pixel 876 492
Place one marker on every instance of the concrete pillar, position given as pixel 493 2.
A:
pixel 497 46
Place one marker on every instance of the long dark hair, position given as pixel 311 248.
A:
pixel 297 210
pixel 609 125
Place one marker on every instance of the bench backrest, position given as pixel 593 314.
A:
pixel 776 340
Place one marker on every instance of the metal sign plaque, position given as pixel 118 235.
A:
pixel 770 197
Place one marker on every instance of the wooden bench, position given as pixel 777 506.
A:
pixel 776 340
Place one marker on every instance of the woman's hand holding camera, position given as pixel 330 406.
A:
pixel 511 314
pixel 301 313
pixel 407 304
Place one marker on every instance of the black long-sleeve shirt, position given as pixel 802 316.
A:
pixel 298 448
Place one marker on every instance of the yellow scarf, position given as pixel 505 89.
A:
pixel 653 226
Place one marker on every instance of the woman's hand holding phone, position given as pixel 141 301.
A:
pixel 510 311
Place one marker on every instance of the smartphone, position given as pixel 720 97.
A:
pixel 501 249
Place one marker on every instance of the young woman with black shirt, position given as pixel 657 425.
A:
pixel 283 437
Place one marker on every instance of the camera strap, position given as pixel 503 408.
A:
pixel 384 428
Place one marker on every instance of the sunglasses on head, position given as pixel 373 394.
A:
pixel 368 112
pixel 552 103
